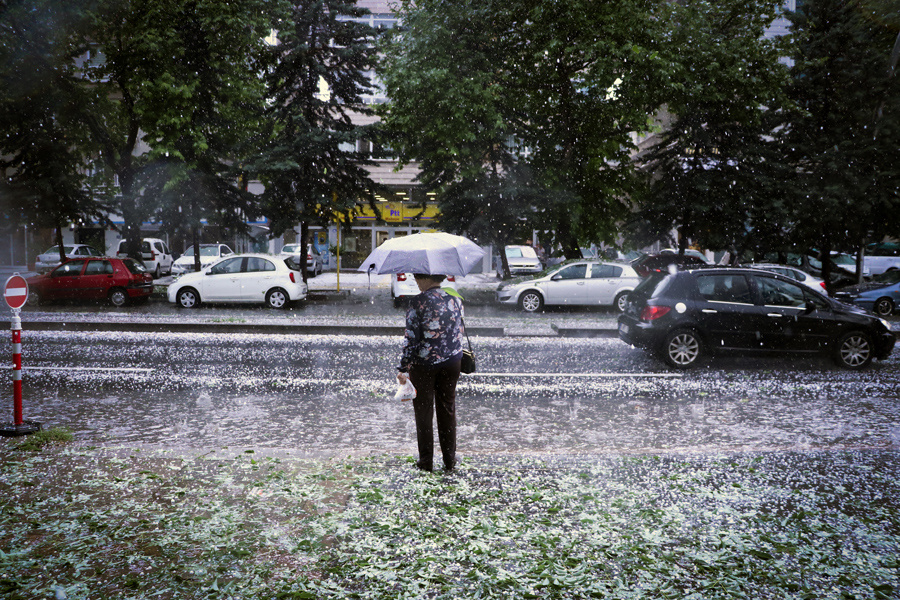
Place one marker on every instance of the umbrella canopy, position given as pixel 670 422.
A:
pixel 430 253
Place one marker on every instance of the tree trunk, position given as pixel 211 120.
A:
pixel 59 243
pixel 195 242
pixel 860 258
pixel 304 241
pixel 825 257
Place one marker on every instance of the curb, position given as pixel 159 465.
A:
pixel 276 329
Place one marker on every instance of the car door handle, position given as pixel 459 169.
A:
pixel 709 311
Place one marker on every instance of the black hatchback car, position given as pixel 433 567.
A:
pixel 686 315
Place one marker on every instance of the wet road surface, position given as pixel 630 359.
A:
pixel 333 396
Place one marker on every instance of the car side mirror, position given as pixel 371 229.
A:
pixel 556 277
pixel 809 308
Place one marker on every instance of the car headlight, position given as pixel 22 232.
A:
pixel 886 324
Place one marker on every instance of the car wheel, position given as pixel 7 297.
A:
pixel 682 348
pixel 277 298
pixel 854 350
pixel 34 299
pixel 156 273
pixel 883 307
pixel 531 301
pixel 188 298
pixel 118 297
pixel 621 301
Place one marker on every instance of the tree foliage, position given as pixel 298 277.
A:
pixel 45 145
pixel 554 88
pixel 310 166
pixel 179 92
pixel 841 141
pixel 714 172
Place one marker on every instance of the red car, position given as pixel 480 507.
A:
pixel 119 280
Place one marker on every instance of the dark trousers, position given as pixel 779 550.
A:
pixel 436 392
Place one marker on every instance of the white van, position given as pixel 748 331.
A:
pixel 881 257
pixel 155 254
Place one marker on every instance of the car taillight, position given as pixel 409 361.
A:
pixel 401 276
pixel 292 277
pixel 451 278
pixel 309 257
pixel 651 313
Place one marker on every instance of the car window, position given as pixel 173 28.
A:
pixel 651 287
pixel 133 266
pixel 290 248
pixel 256 264
pixel 293 266
pixel 98 267
pixel 209 251
pixel 227 267
pixel 731 287
pixel 145 247
pixel 225 250
pixel 513 253
pixel 604 271
pixel 573 272
pixel 69 269
pixel 775 292
pixel 165 248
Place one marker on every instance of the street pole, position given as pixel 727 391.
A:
pixel 16 293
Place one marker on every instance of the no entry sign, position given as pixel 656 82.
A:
pixel 15 292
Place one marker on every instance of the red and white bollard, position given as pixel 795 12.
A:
pixel 16 293
pixel 17 369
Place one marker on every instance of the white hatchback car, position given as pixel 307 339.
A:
pixel 403 286
pixel 242 278
pixel 155 255
pixel 209 254
pixel 574 283
pixel 49 259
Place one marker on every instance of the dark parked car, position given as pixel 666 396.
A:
pixel 662 263
pixel 685 315
pixel 119 280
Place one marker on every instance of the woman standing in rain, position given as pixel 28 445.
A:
pixel 431 354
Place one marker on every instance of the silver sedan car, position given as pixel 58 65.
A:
pixel 575 283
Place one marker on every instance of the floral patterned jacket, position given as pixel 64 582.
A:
pixel 433 329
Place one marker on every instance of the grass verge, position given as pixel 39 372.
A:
pixel 90 523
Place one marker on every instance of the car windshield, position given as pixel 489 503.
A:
pixel 291 248
pixel 133 266
pixel 888 277
pixel 204 251
pixel 55 250
pixel 520 252
pixel 651 287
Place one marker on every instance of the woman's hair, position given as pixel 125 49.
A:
pixel 435 278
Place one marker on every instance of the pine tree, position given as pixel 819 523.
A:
pixel 320 70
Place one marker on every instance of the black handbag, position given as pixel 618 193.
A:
pixel 468 358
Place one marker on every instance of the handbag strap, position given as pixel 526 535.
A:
pixel 463 323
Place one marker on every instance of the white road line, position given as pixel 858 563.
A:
pixel 601 375
pixel 109 369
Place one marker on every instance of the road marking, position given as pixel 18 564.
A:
pixel 607 375
pixel 113 369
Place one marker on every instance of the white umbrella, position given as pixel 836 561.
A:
pixel 430 253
